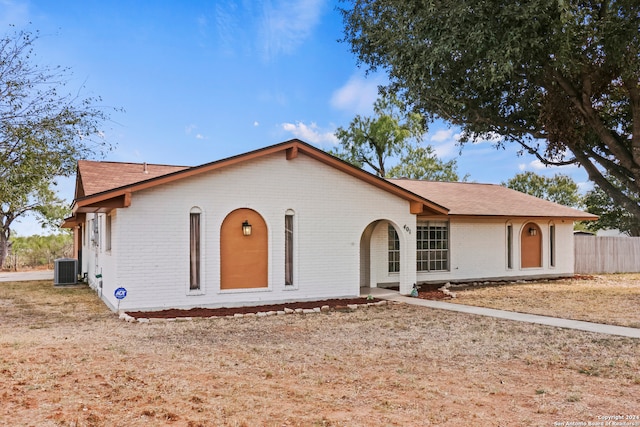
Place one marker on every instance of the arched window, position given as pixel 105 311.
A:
pixel 552 244
pixel 394 250
pixel 288 248
pixel 509 246
pixel 194 248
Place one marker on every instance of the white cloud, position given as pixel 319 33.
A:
pixel 357 95
pixel 490 137
pixel 537 166
pixel 584 186
pixel 191 128
pixel 442 135
pixel 14 13
pixel 286 24
pixel 311 133
pixel 227 26
pixel 445 143
pixel 256 123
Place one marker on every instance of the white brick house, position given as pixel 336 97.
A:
pixel 178 237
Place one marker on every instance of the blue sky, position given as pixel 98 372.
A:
pixel 203 80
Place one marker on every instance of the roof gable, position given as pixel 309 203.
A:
pixel 102 186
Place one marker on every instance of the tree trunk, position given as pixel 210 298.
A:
pixel 4 245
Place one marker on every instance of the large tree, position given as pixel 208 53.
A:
pixel 422 162
pixel 611 216
pixel 560 78
pixel 43 132
pixel 392 134
pixel 559 188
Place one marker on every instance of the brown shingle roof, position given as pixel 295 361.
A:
pixel 463 198
pixel 459 198
pixel 96 177
pixel 103 186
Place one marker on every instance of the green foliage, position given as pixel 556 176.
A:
pixel 611 215
pixel 43 132
pixel 560 78
pixel 370 142
pixel 421 162
pixel 36 251
pixel 558 188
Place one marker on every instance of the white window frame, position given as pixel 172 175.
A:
pixel 426 256
pixel 393 253
pixel 509 245
pixel 195 210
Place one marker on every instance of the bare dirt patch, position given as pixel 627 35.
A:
pixel 65 360
pixel 612 299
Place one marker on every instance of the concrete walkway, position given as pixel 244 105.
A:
pixel 600 328
pixel 21 276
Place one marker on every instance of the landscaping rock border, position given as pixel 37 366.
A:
pixel 286 311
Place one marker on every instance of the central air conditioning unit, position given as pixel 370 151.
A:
pixel 65 271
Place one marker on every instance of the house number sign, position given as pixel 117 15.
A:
pixel 120 293
pixel 407 228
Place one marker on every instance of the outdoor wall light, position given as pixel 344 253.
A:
pixel 533 231
pixel 246 228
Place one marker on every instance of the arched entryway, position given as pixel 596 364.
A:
pixel 244 251
pixel 380 254
pixel 530 246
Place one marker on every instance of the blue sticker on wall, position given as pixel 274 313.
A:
pixel 120 293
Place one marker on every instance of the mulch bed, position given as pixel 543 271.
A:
pixel 430 291
pixel 434 295
pixel 426 291
pixel 335 304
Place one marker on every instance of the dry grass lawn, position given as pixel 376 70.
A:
pixel 613 299
pixel 65 360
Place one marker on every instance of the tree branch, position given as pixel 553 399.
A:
pixel 584 107
pixel 634 101
pixel 596 176
pixel 543 159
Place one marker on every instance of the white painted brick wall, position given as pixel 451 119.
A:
pixel 479 250
pixel 332 210
pixel 150 239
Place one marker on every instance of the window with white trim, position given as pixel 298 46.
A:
pixel 107 232
pixel 394 250
pixel 552 245
pixel 194 249
pixel 288 249
pixel 510 246
pixel 432 242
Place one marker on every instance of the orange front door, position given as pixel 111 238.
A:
pixel 243 259
pixel 531 246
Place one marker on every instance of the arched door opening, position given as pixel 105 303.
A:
pixel 244 251
pixel 380 255
pixel 530 246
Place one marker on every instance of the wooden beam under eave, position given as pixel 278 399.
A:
pixel 292 152
pixel 416 207
pixel 107 205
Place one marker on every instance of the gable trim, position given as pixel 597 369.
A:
pixel 121 196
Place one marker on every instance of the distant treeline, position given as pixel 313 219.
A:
pixel 38 251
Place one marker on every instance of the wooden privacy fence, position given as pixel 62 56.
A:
pixel 595 254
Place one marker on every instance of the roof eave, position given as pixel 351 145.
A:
pixel 501 216
pixel 291 148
